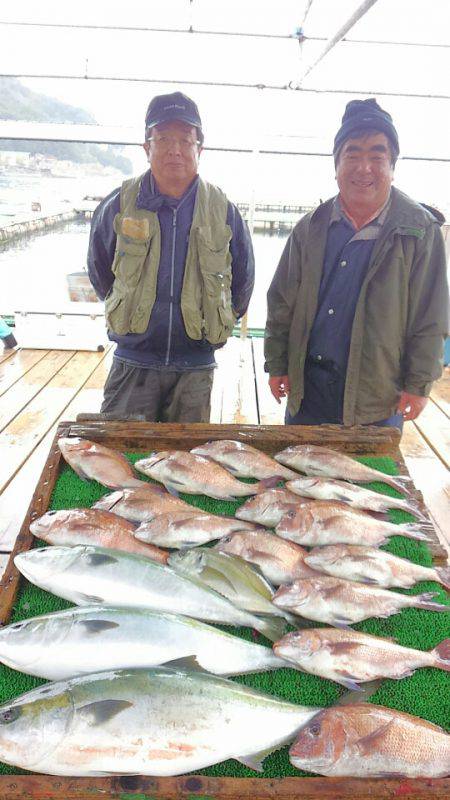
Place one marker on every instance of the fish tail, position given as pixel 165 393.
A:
pixel 269 483
pixel 425 600
pixel 397 482
pixel 443 576
pixel 442 653
pixel 413 508
pixel 272 628
pixel 414 530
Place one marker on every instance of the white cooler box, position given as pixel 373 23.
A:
pixel 77 326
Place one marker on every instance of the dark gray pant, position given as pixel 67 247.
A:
pixel 158 395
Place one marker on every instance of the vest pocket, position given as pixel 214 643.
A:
pixel 215 267
pixel 129 260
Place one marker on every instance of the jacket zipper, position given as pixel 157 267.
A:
pixel 172 278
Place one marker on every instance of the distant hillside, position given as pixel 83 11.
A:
pixel 20 103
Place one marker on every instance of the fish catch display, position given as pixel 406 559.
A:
pixel 144 721
pixel 355 496
pixel 86 575
pixel 177 531
pixel 268 508
pixel 93 461
pixel 243 460
pixel 342 603
pixel 279 560
pixel 324 462
pixel 322 522
pixel 95 638
pixel 186 472
pixel 365 740
pixel 351 658
pixel 370 565
pixel 92 526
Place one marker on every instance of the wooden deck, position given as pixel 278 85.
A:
pixel 39 388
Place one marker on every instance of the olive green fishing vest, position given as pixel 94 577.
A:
pixel 206 293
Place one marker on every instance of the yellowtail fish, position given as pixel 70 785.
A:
pixel 324 462
pixel 243 460
pixel 342 603
pixel 368 741
pixel 94 461
pixel 351 658
pixel 158 722
pixel 88 639
pixel 86 575
pixel 186 472
pixel 370 565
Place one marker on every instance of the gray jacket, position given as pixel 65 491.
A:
pixel 401 317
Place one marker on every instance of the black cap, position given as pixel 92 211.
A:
pixel 360 115
pixel 168 107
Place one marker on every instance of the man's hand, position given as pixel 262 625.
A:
pixel 411 405
pixel 279 386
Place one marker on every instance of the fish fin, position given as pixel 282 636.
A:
pixel 269 483
pixel 352 686
pixel 424 601
pixel 172 490
pixel 342 622
pixel 87 599
pixel 362 695
pixel 96 625
pixel 255 760
pixel 102 710
pixel 442 652
pixel 443 575
pixel 272 628
pixel 190 663
pixel 97 559
pixel 218 579
pixel 367 743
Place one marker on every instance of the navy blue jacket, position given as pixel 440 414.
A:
pixel 165 344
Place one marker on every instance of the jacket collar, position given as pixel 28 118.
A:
pixel 151 199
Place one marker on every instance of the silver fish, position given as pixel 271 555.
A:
pixel 351 658
pixel 187 472
pixel 342 603
pixel 229 575
pixel 324 462
pixel 143 503
pixel 95 638
pixel 370 565
pixel 268 508
pixel 365 741
pixel 355 496
pixel 177 530
pixel 92 526
pixel 243 460
pixel 158 722
pixel 94 461
pixel 86 575
pixel 321 522
pixel 279 560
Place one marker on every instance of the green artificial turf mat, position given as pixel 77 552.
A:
pixel 425 694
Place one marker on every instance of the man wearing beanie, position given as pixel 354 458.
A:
pixel 173 260
pixel 357 309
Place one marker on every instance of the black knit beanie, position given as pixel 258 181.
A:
pixel 363 115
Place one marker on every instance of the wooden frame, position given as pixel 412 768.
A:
pixel 143 437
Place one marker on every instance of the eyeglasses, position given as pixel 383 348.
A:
pixel 184 143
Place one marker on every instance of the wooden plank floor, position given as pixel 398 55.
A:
pixel 38 388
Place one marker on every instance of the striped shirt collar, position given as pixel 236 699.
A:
pixel 337 214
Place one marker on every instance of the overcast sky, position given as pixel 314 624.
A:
pixel 277 119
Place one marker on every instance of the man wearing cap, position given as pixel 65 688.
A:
pixel 173 260
pixel 357 309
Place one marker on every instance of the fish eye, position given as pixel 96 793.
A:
pixel 10 715
pixel 314 729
